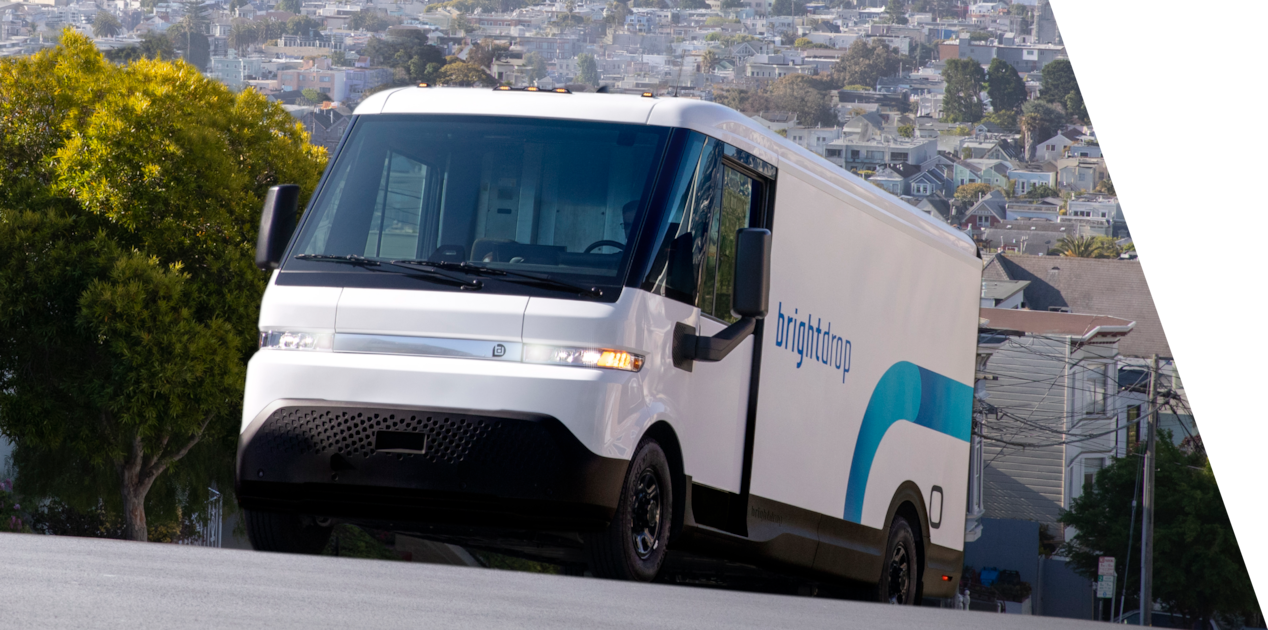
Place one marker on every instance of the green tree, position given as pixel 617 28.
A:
pixel 587 69
pixel 463 24
pixel 788 7
pixel 896 12
pixel 1008 119
pixel 243 34
pixel 1086 247
pixel 732 4
pixel 1040 121
pixel 689 5
pixel 962 101
pixel 1042 191
pixel 188 34
pixel 1198 572
pixel 303 26
pixel 129 200
pixel 153 46
pixel 797 93
pixel 370 20
pixel 864 63
pixel 907 131
pixel 709 60
pixel 105 24
pixel 314 97
pixel 968 194
pixel 535 65
pixel 465 74
pixel 1004 86
pixel 614 16
pixel 1059 80
pixel 1105 186
pixel 292 6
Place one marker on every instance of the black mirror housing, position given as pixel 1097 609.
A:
pixel 752 273
pixel 277 224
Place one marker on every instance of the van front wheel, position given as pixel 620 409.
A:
pixel 634 544
pixel 286 532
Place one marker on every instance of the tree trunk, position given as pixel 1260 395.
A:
pixel 136 481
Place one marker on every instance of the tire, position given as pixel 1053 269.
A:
pixel 634 545
pixel 286 532
pixel 900 566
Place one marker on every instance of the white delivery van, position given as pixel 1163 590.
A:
pixel 598 329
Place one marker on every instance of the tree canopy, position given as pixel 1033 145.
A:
pixel 153 46
pixel 1058 81
pixel 962 101
pixel 587 69
pixel 129 202
pixel 1040 121
pixel 1198 572
pixel 1004 86
pixel 865 62
pixel 105 24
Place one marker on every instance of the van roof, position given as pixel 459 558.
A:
pixel 715 120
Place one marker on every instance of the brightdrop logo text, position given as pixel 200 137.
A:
pixel 810 340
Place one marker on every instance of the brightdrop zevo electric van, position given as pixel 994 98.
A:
pixel 599 329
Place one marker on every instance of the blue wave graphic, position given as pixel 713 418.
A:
pixel 912 393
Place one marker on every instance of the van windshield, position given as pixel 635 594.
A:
pixel 548 198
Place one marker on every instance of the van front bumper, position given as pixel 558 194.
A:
pixel 424 465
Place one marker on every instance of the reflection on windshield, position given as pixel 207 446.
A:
pixel 549 198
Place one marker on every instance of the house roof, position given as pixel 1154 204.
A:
pixel 994 202
pixel 936 204
pixel 1089 285
pixel 1002 289
pixel 1082 327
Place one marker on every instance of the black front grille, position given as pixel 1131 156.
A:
pixel 452 438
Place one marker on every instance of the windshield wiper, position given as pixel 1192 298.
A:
pixel 514 276
pixel 362 261
pixel 351 259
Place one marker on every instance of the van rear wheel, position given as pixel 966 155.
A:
pixel 900 572
pixel 633 546
pixel 286 532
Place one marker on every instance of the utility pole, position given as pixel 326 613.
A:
pixel 1147 496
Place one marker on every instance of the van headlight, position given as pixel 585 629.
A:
pixel 583 357
pixel 296 340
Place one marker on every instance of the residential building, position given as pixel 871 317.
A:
pixel 855 154
pixel 1050 411
pixel 318 75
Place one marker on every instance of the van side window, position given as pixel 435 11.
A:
pixel 678 268
pixel 710 202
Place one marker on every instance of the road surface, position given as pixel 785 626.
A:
pixel 61 582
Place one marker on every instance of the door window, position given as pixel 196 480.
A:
pixel 711 201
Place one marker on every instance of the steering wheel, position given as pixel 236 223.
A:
pixel 597 244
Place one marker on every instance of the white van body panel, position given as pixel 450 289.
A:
pixel 431 313
pixel 299 308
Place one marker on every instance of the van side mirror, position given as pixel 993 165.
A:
pixel 752 273
pixel 277 224
pixel 750 301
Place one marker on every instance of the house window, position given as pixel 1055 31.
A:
pixel 1091 466
pixel 983 220
pixel 325 79
pixel 897 157
pixel 854 155
pixel 1052 147
pixel 920 189
pixel 1096 389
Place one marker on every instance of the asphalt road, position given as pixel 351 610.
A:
pixel 58 582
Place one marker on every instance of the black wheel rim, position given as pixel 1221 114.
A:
pixel 899 579
pixel 645 509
